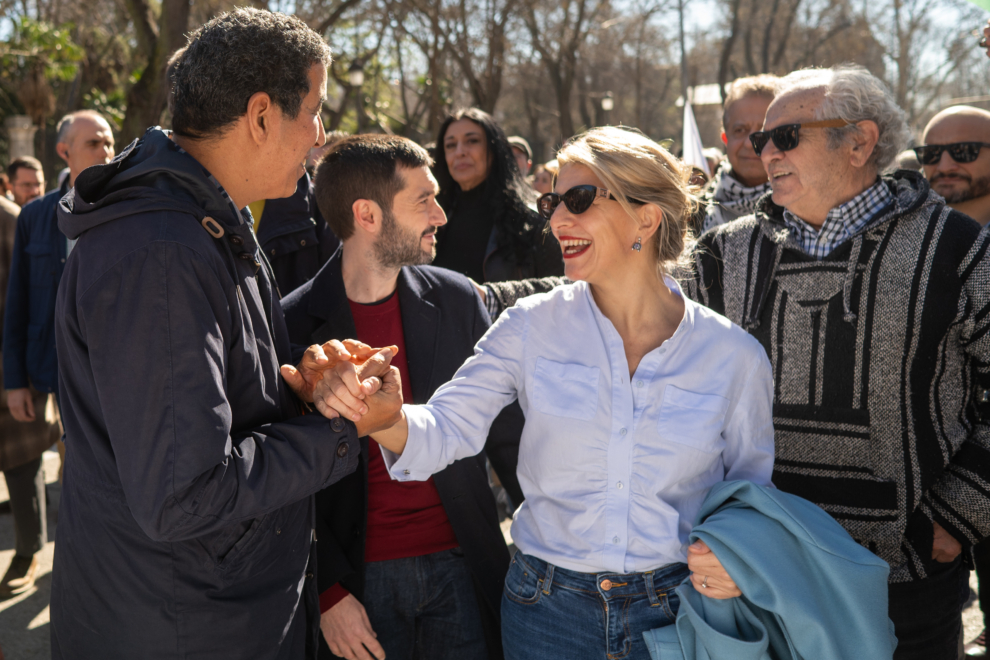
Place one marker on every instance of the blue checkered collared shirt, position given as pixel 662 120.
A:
pixel 841 222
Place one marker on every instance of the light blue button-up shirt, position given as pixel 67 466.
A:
pixel 614 469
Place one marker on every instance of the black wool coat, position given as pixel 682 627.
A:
pixel 294 237
pixel 442 318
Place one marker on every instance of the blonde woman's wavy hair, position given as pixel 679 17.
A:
pixel 632 166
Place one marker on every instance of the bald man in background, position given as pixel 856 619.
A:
pixel 30 368
pixel 953 136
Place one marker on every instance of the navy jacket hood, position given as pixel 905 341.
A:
pixel 151 174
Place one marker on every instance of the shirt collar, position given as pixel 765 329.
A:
pixel 842 221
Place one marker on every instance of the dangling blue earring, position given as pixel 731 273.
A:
pixel 638 245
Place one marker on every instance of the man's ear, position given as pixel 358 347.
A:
pixel 864 142
pixel 367 216
pixel 259 116
pixel 62 149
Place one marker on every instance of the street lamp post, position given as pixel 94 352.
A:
pixel 355 76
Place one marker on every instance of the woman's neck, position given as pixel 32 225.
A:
pixel 641 307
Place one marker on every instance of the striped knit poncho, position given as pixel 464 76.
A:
pixel 881 356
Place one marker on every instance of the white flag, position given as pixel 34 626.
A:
pixel 693 154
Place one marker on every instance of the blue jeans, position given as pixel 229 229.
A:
pixel 551 613
pixel 424 608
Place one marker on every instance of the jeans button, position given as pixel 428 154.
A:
pixel 606 585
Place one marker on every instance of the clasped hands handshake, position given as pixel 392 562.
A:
pixel 352 380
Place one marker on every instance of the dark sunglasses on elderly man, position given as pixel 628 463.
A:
pixel 577 200
pixel 786 137
pixel 961 152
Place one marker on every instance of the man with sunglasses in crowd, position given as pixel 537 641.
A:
pixel 955 161
pixel 958 168
pixel 870 296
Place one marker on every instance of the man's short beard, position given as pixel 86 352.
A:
pixel 977 188
pixel 397 247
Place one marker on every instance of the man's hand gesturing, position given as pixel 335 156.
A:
pixel 317 359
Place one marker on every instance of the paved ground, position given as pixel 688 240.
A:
pixel 24 618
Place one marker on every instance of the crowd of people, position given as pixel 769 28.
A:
pixel 739 418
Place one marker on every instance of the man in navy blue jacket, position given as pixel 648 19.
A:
pixel 40 251
pixel 29 364
pixel 411 570
pixel 186 520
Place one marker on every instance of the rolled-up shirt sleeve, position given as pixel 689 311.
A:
pixel 454 423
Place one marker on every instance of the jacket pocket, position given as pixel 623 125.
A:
pixel 566 390
pixel 237 548
pixel 286 244
pixel 692 419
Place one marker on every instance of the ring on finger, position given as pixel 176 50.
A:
pixel 704 583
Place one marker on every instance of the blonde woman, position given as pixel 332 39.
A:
pixel 637 401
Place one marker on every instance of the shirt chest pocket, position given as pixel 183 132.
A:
pixel 692 419
pixel 565 390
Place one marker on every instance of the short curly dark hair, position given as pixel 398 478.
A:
pixel 234 56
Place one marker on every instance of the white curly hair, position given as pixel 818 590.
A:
pixel 854 94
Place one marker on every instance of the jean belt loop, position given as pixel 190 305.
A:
pixel 548 579
pixel 651 592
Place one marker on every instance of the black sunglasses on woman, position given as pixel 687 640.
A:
pixel 577 200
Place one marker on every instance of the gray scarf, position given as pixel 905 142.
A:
pixel 728 199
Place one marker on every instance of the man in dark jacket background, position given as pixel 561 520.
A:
pixel 293 235
pixel 40 251
pixel 30 369
pixel 186 520
pixel 409 570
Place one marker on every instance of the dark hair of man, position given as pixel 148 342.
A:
pixel 26 162
pixel 506 191
pixel 234 56
pixel 363 167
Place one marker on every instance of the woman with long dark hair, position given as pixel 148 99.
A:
pixel 493 232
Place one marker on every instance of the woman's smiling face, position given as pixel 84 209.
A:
pixel 597 242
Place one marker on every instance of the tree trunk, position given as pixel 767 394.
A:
pixel 723 62
pixel 158 39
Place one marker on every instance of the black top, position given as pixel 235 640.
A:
pixel 462 245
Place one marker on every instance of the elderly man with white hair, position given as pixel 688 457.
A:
pixel 872 298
